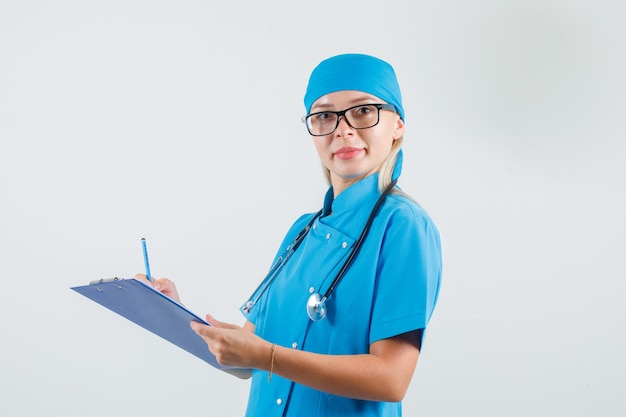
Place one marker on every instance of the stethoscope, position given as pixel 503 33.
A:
pixel 316 304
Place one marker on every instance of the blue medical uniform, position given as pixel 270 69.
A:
pixel 390 289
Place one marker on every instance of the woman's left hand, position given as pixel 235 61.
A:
pixel 233 345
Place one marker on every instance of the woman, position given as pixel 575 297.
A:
pixel 359 359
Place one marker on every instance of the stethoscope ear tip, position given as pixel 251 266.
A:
pixel 316 307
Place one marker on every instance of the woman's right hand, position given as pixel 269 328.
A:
pixel 164 285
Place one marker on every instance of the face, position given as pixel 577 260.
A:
pixel 352 154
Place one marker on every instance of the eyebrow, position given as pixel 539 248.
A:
pixel 353 101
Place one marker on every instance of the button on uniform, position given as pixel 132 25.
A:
pixel 279 401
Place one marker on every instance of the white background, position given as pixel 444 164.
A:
pixel 179 121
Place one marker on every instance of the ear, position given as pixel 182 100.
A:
pixel 398 130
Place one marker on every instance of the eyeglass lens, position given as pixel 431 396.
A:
pixel 358 117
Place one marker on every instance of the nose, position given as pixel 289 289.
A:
pixel 343 127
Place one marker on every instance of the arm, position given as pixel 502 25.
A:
pixel 383 374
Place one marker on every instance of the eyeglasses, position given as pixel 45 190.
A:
pixel 362 116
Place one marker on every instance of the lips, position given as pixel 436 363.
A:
pixel 348 152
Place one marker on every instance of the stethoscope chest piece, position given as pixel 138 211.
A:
pixel 316 307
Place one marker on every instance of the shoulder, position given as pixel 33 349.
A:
pixel 402 211
pixel 302 221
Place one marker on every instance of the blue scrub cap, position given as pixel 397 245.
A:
pixel 354 72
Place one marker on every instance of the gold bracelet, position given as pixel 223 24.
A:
pixel 269 375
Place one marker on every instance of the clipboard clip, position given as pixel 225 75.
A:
pixel 105 280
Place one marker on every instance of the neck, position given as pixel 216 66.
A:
pixel 340 184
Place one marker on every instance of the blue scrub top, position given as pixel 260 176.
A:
pixel 390 289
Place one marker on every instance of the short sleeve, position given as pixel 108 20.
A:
pixel 408 276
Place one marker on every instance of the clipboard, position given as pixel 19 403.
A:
pixel 155 312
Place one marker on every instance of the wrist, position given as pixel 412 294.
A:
pixel 262 357
pixel 272 359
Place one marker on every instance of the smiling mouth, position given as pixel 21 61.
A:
pixel 348 153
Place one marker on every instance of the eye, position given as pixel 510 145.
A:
pixel 322 117
pixel 363 110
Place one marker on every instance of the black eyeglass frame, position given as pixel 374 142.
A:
pixel 379 106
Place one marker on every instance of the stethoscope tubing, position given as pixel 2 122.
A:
pixel 278 265
pixel 359 242
pixel 317 303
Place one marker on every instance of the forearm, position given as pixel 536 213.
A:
pixel 354 376
pixel 383 374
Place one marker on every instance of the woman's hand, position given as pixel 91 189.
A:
pixel 164 285
pixel 233 345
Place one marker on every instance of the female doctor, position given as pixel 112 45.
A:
pixel 336 328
